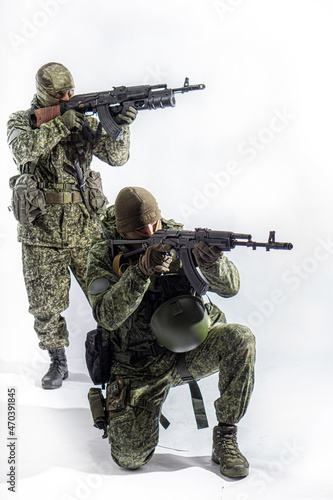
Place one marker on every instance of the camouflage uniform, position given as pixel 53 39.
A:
pixel 124 306
pixel 60 238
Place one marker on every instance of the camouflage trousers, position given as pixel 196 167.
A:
pixel 133 430
pixel 47 280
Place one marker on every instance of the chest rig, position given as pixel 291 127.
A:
pixel 162 289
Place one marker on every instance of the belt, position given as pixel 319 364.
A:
pixel 70 186
pixel 53 198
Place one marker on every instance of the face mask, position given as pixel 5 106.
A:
pixel 50 79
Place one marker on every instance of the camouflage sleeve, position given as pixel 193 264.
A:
pixel 111 151
pixel 27 144
pixel 223 277
pixel 113 299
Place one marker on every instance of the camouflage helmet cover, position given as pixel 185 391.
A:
pixel 50 79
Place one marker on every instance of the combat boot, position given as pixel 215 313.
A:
pixel 58 370
pixel 226 452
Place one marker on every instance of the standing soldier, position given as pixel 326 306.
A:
pixel 162 335
pixel 57 200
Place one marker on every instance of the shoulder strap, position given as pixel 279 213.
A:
pixel 196 396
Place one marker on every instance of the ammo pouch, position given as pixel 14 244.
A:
pixel 97 199
pixel 28 201
pixel 97 408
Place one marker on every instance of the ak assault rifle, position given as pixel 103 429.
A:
pixel 184 241
pixel 110 103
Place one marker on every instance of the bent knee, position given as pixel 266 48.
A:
pixel 242 335
pixel 246 334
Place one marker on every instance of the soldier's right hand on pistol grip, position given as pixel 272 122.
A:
pixel 72 119
pixel 156 259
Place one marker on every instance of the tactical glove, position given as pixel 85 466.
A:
pixel 205 256
pixel 156 259
pixel 72 119
pixel 127 118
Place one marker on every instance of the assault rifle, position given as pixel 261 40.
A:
pixel 110 103
pixel 184 241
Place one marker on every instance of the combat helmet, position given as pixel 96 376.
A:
pixel 180 324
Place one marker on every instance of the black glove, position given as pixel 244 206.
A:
pixel 72 119
pixel 156 259
pixel 127 118
pixel 205 256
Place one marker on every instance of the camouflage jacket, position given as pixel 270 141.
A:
pixel 125 306
pixel 53 146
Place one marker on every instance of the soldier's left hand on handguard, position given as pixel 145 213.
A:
pixel 205 256
pixel 127 118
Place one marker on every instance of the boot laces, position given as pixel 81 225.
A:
pixel 57 362
pixel 227 440
pixel 57 365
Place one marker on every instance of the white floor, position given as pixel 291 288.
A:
pixel 286 435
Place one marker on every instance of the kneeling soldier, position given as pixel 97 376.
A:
pixel 162 335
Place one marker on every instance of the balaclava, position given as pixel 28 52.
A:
pixel 50 79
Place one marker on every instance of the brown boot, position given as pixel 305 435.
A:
pixel 58 370
pixel 226 452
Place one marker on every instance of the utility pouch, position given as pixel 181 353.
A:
pixel 28 201
pixel 98 356
pixel 97 199
pixel 97 408
pixel 116 397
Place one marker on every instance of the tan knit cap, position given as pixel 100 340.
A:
pixel 135 207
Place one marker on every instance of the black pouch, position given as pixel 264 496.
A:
pixel 98 356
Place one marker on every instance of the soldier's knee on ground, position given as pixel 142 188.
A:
pixel 133 436
pixel 133 460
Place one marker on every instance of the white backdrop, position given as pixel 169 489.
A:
pixel 250 153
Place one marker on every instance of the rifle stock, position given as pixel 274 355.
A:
pixel 44 115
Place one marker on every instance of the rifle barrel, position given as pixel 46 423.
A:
pixel 188 88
